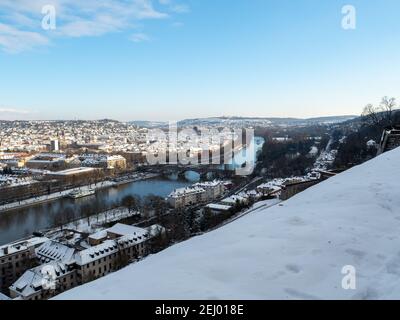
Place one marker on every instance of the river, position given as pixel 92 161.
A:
pixel 19 223
pixel 22 222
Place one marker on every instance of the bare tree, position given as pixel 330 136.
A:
pixel 388 105
pixel 381 116
pixel 130 202
pixel 76 224
pixel 370 115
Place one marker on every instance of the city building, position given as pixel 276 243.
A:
pixel 16 258
pixel 183 197
pixel 103 161
pixel 134 157
pixel 218 208
pixel 117 246
pixel 196 194
pixel 73 175
pixel 54 145
pixel 214 189
pixel 64 267
pixel 270 188
pixel 47 161
pixel 235 199
pixel 12 159
pixel 116 162
pixel 44 281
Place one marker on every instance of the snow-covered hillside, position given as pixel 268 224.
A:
pixel 295 250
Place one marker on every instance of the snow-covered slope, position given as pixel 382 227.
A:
pixel 291 251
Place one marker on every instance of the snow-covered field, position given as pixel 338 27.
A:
pixel 294 250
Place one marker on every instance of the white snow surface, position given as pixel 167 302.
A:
pixel 295 250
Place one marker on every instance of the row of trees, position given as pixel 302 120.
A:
pixel 185 223
pixel 381 116
pixel 6 170
pixel 287 158
pixel 354 148
pixel 147 206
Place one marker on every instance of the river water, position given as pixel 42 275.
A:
pixel 22 222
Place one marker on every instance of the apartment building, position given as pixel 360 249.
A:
pixel 64 267
pixel 44 281
pixel 47 161
pixel 235 199
pixel 214 189
pixel 74 175
pixel 196 194
pixel 103 161
pixel 110 256
pixel 116 162
pixel 183 197
pixel 15 259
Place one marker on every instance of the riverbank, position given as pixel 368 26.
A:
pixel 135 178
pixel 58 195
pixel 21 222
pixel 92 223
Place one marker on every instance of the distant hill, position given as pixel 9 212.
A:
pixel 333 119
pixel 149 124
pixel 247 121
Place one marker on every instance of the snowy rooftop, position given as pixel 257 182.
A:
pixel 34 279
pixel 73 171
pixel 216 206
pixel 128 236
pixel 94 253
pixel 99 235
pixel 183 191
pixel 13 181
pixel 4 297
pixel 109 246
pixel 234 199
pixel 55 251
pixel 124 229
pixel 272 184
pixel 21 245
pixel 295 250
pixel 208 184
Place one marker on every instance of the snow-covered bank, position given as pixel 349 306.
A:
pixel 295 250
pixel 95 222
pixel 52 196
pixel 58 195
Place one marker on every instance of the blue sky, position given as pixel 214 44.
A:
pixel 175 59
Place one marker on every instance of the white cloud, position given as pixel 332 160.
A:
pixel 176 8
pixel 177 24
pixel 83 28
pixel 13 40
pixel 139 37
pixel 180 8
pixel 21 19
pixel 12 110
